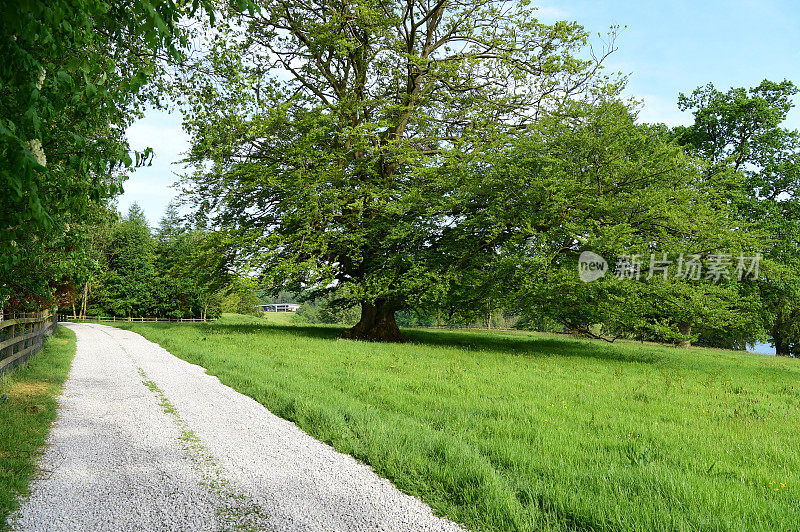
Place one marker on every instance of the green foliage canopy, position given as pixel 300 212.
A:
pixel 757 163
pixel 328 137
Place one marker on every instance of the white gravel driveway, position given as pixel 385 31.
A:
pixel 146 441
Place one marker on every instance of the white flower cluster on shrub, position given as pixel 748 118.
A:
pixel 35 146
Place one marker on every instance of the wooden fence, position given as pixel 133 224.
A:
pixel 69 317
pixel 22 336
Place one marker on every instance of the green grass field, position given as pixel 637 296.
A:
pixel 27 414
pixel 275 318
pixel 525 431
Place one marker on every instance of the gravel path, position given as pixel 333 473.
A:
pixel 146 441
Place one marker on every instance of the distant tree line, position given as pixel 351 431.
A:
pixel 172 272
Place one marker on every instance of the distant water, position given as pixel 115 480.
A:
pixel 761 348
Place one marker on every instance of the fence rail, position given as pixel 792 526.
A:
pixel 69 317
pixel 22 336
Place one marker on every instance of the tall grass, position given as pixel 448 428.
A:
pixel 28 401
pixel 523 431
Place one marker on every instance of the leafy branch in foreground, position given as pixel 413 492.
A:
pixel 73 75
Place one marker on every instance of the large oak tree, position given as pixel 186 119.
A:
pixel 337 140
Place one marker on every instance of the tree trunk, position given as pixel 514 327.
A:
pixel 685 328
pixel 782 346
pixel 85 300
pixel 377 324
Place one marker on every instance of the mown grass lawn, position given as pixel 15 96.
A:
pixel 27 413
pixel 524 431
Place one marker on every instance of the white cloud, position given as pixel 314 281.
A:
pixel 152 186
pixel 160 131
pixel 657 109
pixel 551 13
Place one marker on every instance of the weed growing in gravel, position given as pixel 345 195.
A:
pixel 524 431
pixel 236 511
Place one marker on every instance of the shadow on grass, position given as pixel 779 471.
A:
pixel 307 331
pixel 508 343
pixel 528 345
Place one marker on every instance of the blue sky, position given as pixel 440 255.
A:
pixel 666 47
